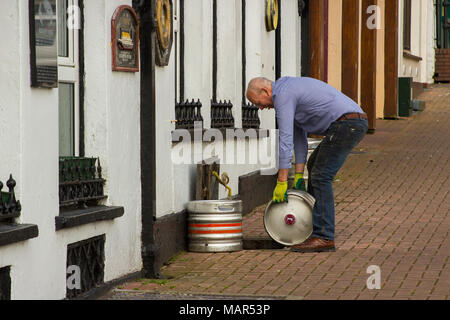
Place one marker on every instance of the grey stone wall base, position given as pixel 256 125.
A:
pixel 255 190
pixel 170 234
pixel 12 233
pixel 80 217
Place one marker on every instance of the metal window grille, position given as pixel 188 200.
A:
pixel 250 116
pixel 222 114
pixel 187 113
pixel 9 207
pixel 89 256
pixel 5 283
pixel 80 181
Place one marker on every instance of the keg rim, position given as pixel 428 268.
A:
pixel 215 206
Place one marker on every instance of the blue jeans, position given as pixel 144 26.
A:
pixel 323 165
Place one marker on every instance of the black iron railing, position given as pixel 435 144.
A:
pixel 222 114
pixel 187 113
pixel 250 116
pixel 9 207
pixel 80 181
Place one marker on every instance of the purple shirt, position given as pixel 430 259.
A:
pixel 305 105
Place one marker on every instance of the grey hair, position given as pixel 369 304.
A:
pixel 255 85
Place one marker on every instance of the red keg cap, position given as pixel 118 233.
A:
pixel 289 219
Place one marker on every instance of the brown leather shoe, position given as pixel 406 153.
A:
pixel 315 245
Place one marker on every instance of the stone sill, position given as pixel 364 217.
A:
pixel 260 133
pixel 408 55
pixel 12 233
pixel 78 217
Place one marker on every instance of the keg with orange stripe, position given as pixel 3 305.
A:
pixel 215 226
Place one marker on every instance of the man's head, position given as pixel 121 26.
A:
pixel 259 92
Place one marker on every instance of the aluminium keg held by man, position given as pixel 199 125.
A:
pixel 305 105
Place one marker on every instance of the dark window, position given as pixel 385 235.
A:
pixel 305 37
pixel 443 23
pixel 5 283
pixel 407 25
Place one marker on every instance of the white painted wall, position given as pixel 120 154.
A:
pixel 120 101
pixel 430 43
pixel 10 66
pixel 290 33
pixel 29 132
pixel 30 140
pixel 260 52
pixel 176 183
pixel 422 42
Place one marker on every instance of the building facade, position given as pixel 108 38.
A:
pixel 103 140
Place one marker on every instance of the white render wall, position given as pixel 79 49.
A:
pixel 30 152
pixel 429 43
pixel 112 112
pixel 422 42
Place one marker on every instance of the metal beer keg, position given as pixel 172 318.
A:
pixel 215 226
pixel 290 223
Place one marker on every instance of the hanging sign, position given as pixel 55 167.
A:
pixel 271 15
pixel 43 43
pixel 125 40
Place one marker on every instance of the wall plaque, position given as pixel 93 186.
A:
pixel 43 43
pixel 125 40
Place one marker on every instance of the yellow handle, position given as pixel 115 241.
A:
pixel 225 177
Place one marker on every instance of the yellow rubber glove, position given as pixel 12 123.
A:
pixel 299 182
pixel 280 192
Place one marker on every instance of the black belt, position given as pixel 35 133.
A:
pixel 354 115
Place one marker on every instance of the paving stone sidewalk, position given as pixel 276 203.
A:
pixel 392 211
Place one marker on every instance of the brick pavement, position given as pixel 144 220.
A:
pixel 392 210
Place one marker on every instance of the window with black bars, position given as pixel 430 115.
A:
pixel 80 182
pixel 89 256
pixel 5 283
pixel 187 113
pixel 221 111
pixel 222 114
pixel 407 25
pixel 250 116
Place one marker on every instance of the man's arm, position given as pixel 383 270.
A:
pixel 285 105
pixel 301 152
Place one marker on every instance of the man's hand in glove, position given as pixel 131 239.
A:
pixel 299 182
pixel 280 192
